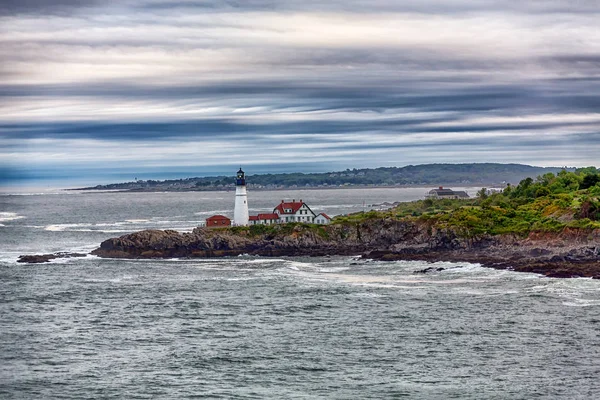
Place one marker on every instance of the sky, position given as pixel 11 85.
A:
pixel 105 91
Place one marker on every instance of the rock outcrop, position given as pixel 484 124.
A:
pixel 573 252
pixel 43 258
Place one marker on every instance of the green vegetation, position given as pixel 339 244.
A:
pixel 271 231
pixel 549 203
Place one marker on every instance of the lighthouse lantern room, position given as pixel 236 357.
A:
pixel 240 212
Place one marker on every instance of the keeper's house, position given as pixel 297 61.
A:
pixel 442 193
pixel 290 211
pixel 294 211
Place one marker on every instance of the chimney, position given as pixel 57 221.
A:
pixel 300 200
pixel 293 200
pixel 281 201
pixel 441 187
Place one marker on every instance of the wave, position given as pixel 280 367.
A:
pixel 125 226
pixel 84 228
pixel 9 257
pixel 213 212
pixel 333 269
pixel 32 193
pixel 581 302
pixel 10 216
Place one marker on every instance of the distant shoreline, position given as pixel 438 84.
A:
pixel 232 189
pixel 424 175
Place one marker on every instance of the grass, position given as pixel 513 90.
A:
pixel 550 203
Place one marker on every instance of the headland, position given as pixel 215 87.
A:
pixel 550 225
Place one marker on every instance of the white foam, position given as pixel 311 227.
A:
pixel 330 206
pixel 9 257
pixel 55 228
pixel 333 269
pixel 263 261
pixel 213 212
pixel 119 227
pixel 68 227
pixel 9 216
pixel 581 303
pixel 366 294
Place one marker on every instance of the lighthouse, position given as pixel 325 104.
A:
pixel 240 212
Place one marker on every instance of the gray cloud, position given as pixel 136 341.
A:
pixel 44 7
pixel 345 83
pixel 433 6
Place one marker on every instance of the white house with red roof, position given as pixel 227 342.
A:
pixel 263 219
pixel 289 211
pixel 294 211
pixel 322 219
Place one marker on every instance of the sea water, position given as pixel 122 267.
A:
pixel 272 328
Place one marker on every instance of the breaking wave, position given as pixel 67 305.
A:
pixel 10 216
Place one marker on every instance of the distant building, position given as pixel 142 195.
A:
pixel 217 221
pixel 322 219
pixel 442 193
pixel 294 211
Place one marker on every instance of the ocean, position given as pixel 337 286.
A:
pixel 272 328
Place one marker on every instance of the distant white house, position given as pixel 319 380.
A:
pixel 442 193
pixel 322 219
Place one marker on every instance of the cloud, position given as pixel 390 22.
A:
pixel 44 7
pixel 345 83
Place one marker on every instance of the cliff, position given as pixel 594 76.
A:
pixel 571 252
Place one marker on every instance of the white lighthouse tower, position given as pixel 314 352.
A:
pixel 240 212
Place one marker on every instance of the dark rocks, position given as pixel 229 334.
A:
pixel 42 258
pixel 562 254
pixel 537 252
pixel 428 270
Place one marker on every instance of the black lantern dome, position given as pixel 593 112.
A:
pixel 241 178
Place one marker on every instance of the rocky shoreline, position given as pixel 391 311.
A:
pixel 570 253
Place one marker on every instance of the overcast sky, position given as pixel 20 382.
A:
pixel 196 87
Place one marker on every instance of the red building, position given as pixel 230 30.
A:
pixel 217 221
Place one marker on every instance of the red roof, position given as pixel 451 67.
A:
pixel 262 217
pixel 218 218
pixel 293 205
pixel 268 216
pixel 325 215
